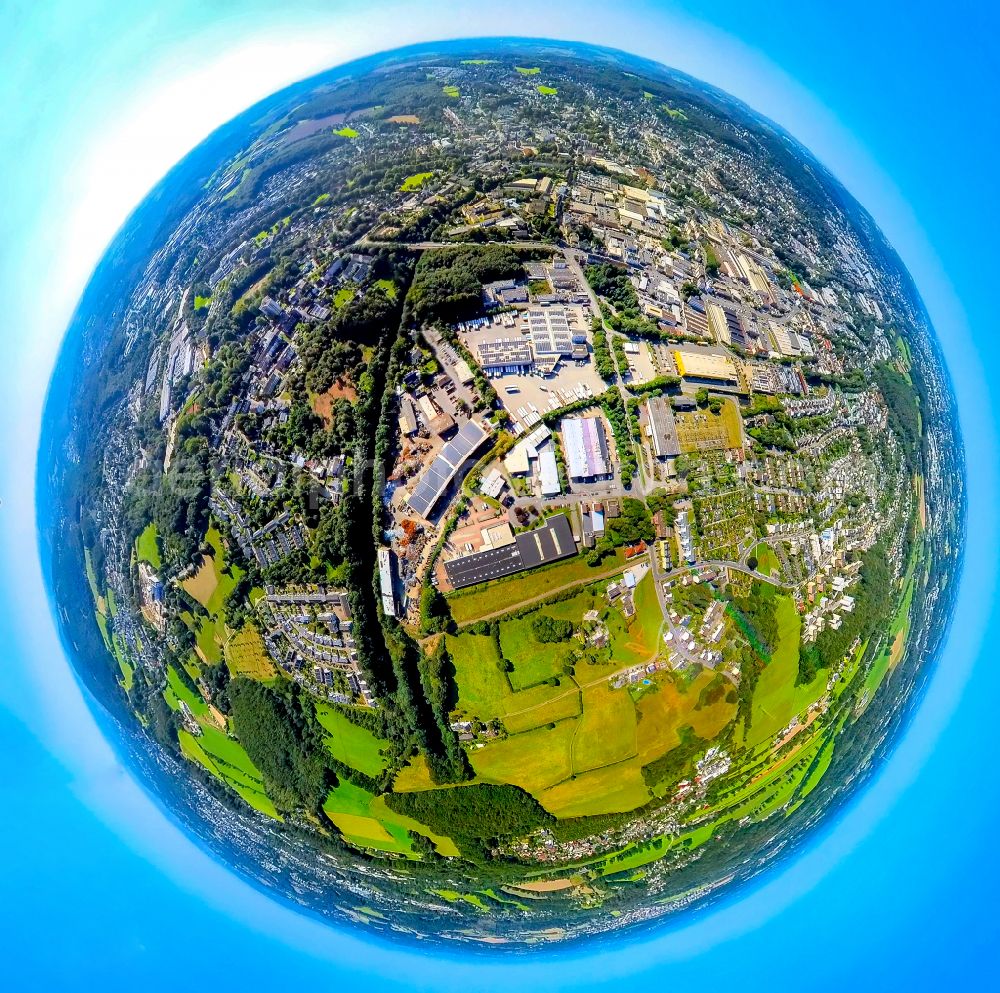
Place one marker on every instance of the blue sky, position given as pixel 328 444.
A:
pixel 895 98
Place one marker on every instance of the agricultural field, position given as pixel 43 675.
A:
pixel 246 655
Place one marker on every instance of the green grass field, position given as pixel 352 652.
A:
pixel 366 821
pixel 636 642
pixel 560 708
pixel 548 91
pixel 612 789
pixel 224 757
pixel 147 547
pixel 389 287
pixel 482 687
pixel 767 561
pixel 343 296
pixel 478 62
pixel 777 699
pixel 351 744
pixel 535 760
pixel 606 734
pixel 418 179
pixel 450 91
pixel 347 132
pixel 534 661
pixel 526 71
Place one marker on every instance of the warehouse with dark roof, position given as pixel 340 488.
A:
pixel 548 543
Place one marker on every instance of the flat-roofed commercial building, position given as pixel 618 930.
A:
pixel 550 331
pixel 505 355
pixel 548 473
pixel 548 543
pixel 705 366
pixel 386 585
pixel 586 448
pixel 661 428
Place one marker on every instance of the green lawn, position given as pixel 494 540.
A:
pixel 351 744
pixel 478 62
pixel 200 302
pixel 767 561
pixel 450 91
pixel 548 91
pixel 343 296
pixel 389 287
pixel 347 132
pixel 418 179
pixel 524 71
pixel 322 198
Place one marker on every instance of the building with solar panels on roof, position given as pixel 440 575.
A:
pixel 450 466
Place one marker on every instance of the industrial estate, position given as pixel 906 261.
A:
pixel 525 471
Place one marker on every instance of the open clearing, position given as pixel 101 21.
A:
pixel 534 760
pixel 350 743
pixel 366 821
pixel 606 733
pixel 147 547
pixel 613 789
pixel 777 699
pixel 418 179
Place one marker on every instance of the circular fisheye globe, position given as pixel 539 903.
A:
pixel 502 492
